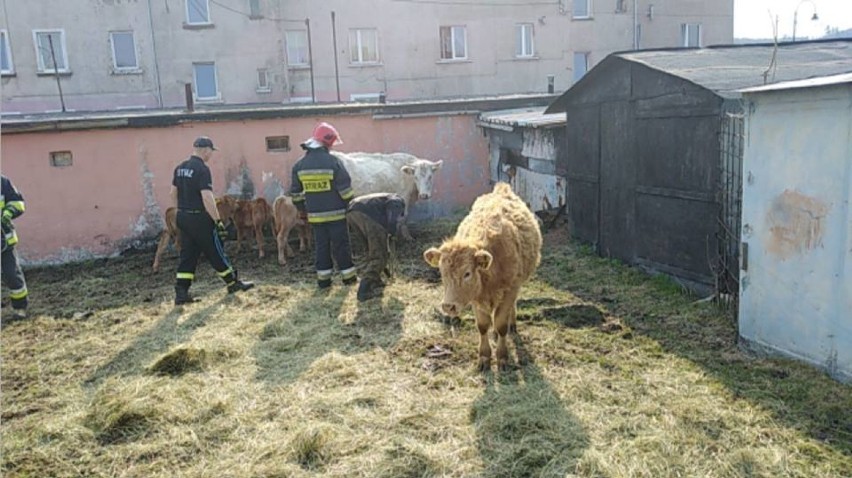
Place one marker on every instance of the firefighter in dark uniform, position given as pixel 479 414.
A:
pixel 199 225
pixel 376 217
pixel 320 185
pixel 12 205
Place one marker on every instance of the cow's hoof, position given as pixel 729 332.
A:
pixel 513 329
pixel 484 364
pixel 503 365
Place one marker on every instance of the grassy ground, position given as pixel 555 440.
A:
pixel 615 375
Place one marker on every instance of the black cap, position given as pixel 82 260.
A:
pixel 204 142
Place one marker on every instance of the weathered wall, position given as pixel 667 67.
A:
pixel 118 185
pixel 796 289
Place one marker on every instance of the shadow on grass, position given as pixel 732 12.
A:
pixel 523 428
pixel 288 346
pixel 166 333
pixel 800 397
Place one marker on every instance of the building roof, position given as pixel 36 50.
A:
pixel 728 69
pixel 168 117
pixel 845 78
pixel 522 117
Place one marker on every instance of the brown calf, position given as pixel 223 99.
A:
pixel 252 214
pixel 225 205
pixel 287 217
pixel 496 249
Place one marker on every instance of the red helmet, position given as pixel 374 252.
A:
pixel 326 134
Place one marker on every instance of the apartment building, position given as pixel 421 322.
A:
pixel 130 54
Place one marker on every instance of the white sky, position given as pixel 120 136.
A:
pixel 752 18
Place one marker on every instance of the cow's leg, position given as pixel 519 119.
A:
pixel 161 246
pixel 513 311
pixel 258 235
pixel 281 240
pixel 502 317
pixel 483 323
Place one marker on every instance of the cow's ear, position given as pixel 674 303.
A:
pixel 432 256
pixel 437 165
pixel 407 169
pixel 483 259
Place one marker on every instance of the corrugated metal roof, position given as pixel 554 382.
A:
pixel 809 83
pixel 523 118
pixel 728 69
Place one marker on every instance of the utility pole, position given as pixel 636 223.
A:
pixel 56 71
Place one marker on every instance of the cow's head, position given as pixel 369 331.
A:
pixel 462 267
pixel 423 171
pixel 227 206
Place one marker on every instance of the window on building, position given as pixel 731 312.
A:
pixel 297 47
pixel 6 65
pixel 123 51
pixel 364 45
pixel 453 43
pixel 581 64
pixel 60 159
pixel 276 144
pixel 254 9
pixel 582 9
pixel 44 55
pixel 206 83
pixel 691 34
pixel 524 40
pixel 263 80
pixel 620 6
pixel 197 12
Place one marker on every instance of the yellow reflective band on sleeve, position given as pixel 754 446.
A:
pixel 11 238
pixel 347 193
pixel 186 275
pixel 18 294
pixel 298 198
pixel 18 205
pixel 227 271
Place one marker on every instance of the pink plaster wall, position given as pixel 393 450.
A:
pixel 118 186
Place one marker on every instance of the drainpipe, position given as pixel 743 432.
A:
pixel 156 63
pixel 635 24
pixel 334 41
pixel 56 72
pixel 311 61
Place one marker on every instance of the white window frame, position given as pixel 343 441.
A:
pixel 202 99
pixel 588 9
pixel 186 10
pixel 42 68
pixel 11 69
pixel 263 88
pixel 685 30
pixel 124 69
pixel 586 56
pixel 357 47
pixel 290 61
pixel 453 56
pixel 527 51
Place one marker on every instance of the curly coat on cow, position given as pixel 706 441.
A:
pixel 497 247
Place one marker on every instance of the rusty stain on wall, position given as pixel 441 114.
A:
pixel 795 224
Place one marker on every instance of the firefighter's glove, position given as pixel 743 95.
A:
pixel 221 230
pixel 7 217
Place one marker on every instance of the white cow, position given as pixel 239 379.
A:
pixel 404 174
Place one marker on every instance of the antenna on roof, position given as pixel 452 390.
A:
pixel 772 63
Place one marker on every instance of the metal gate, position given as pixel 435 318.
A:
pixel 731 138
